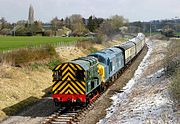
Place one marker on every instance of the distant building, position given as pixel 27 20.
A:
pixel 47 26
pixel 31 15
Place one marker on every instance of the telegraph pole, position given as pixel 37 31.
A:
pixel 150 29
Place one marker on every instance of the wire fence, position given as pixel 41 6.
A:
pixel 10 56
pixel 58 44
pixel 7 56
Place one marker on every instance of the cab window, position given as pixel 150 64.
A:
pixel 80 75
pixel 57 75
pixel 92 84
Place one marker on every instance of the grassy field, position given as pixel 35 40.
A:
pixel 9 42
pixel 152 33
pixel 177 33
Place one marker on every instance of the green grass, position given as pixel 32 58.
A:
pixel 177 33
pixel 10 42
pixel 152 33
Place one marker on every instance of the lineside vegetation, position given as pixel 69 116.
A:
pixel 173 68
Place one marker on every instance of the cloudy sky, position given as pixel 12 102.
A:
pixel 134 10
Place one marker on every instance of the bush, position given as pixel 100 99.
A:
pixel 172 60
pixel 85 44
pixel 53 63
pixel 92 49
pixel 100 38
pixel 172 65
pixel 48 33
pixel 51 50
pixel 175 85
pixel 25 56
pixel 168 32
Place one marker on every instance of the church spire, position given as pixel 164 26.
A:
pixel 31 15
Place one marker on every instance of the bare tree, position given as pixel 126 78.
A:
pixel 77 25
pixel 117 22
pixel 112 26
pixel 56 24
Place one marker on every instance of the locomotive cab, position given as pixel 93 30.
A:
pixel 68 84
pixel 73 82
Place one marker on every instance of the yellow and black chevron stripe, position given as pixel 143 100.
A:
pixel 68 83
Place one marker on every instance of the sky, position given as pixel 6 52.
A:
pixel 133 10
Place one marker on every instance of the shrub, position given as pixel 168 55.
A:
pixel 100 38
pixel 51 50
pixel 85 44
pixel 172 65
pixel 175 85
pixel 27 55
pixel 53 63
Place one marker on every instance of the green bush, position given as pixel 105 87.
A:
pixel 53 63
pixel 51 50
pixel 92 49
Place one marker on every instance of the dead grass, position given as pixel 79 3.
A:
pixel 24 56
pixel 18 84
pixel 82 49
pixel 175 85
pixel 172 65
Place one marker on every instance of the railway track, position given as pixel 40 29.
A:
pixel 72 116
pixel 62 116
pixel 68 115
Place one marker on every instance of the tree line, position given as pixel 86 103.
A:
pixel 74 25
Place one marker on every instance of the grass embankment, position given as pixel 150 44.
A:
pixel 173 68
pixel 9 42
pixel 22 57
pixel 21 87
pixel 27 72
